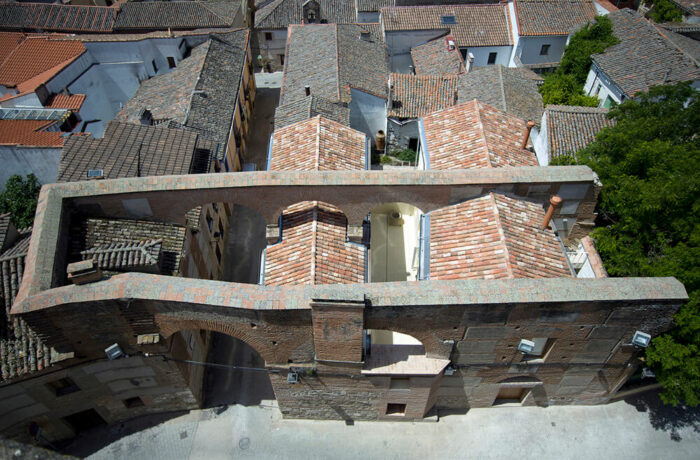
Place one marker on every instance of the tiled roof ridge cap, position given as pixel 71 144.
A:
pixel 206 7
pixel 575 109
pixel 672 44
pixel 482 134
pixel 468 5
pixel 502 85
pixel 501 234
pixel 337 60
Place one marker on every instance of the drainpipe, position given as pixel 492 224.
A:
pixel 526 136
pixel 554 203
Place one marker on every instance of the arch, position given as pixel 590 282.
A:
pixel 395 234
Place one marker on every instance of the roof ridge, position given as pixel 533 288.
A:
pixel 503 89
pixel 501 234
pixel 314 236
pixel 482 134
pixel 673 44
pixel 337 60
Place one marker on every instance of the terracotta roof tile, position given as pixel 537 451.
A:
pixel 35 56
pixel 414 95
pixel 29 133
pixel 278 14
pixel 317 144
pixel 313 249
pixel 8 42
pixel 644 57
pixel 436 58
pixel 61 101
pixel 570 128
pixel 477 25
pixel 475 135
pixel 552 17
pixel 494 237
pixel 309 107
pixel 691 7
pixel 175 15
pixel 57 17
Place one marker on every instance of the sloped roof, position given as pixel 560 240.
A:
pixel 340 60
pixel 414 96
pixel 127 149
pixel 9 41
pixel 494 237
pixel 278 14
pixel 475 135
pixel 61 101
pixel 552 17
pixel 175 15
pixel 57 17
pixel 309 107
pixel 317 144
pixel 35 56
pixel 21 351
pixel 686 44
pixel 373 5
pixel 29 133
pixel 512 90
pixel 141 255
pixel 313 249
pixel 477 25
pixel 644 57
pixel 688 6
pixel 200 93
pixel 571 128
pixel 436 58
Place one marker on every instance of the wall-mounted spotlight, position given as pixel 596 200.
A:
pixel 641 339
pixel 113 352
pixel 292 377
pixel 526 346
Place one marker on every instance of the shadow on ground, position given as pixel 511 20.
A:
pixel 666 418
pixel 90 441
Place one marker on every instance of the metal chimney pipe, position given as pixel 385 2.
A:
pixel 307 90
pixel 554 203
pixel 529 125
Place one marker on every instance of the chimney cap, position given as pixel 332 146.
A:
pixel 555 200
pixel 530 124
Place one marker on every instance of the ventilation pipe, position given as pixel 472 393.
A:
pixel 554 203
pixel 307 90
pixel 526 137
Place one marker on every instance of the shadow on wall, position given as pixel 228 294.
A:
pixel 666 418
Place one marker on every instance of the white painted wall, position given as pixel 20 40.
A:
pixel 399 46
pixel 513 32
pixel 529 49
pixel 600 85
pixel 29 100
pixel 274 48
pixel 481 54
pixel 42 162
pixel 540 141
pixel 599 10
pixel 367 113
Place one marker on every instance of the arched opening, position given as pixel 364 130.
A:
pixel 222 369
pixel 391 352
pixel 395 234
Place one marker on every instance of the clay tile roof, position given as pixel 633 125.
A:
pixel 161 151
pixel 494 237
pixel 317 144
pixel 21 351
pixel 373 5
pixel 313 249
pixel 475 135
pixel 35 56
pixel 61 101
pixel 552 17
pixel 278 14
pixel 309 107
pixel 513 90
pixel 688 6
pixel 8 42
pixel 476 25
pixel 175 15
pixel 571 128
pixel 29 133
pixel 57 17
pixel 435 58
pixel 414 95
pixel 645 56
pixel 141 255
pixel 341 60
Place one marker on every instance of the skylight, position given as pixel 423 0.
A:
pixel 449 20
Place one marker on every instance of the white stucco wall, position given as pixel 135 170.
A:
pixel 528 49
pixel 399 46
pixel 272 49
pixel 481 54
pixel 29 100
pixel 599 10
pixel 540 141
pixel 598 84
pixel 42 162
pixel 367 113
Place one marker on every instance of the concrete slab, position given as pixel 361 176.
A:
pixel 639 429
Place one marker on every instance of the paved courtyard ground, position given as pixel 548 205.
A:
pixel 638 428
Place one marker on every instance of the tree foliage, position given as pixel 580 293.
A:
pixel 649 216
pixel 665 11
pixel 565 85
pixel 19 198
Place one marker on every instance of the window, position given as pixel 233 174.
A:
pixel 171 62
pixel 608 102
pixel 210 222
pixel 218 254
pixel 221 229
pixel 510 394
pixel 130 403
pixel 268 36
pixel 544 50
pixel 281 56
pixel 542 347
pixel 200 161
pixel 63 386
pixel 413 143
pixel 492 58
pixel 449 20
pixel 155 67
pixel 400 383
pixel 396 409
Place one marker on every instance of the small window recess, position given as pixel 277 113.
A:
pixel 400 383
pixel 449 20
pixel 492 58
pixel 543 346
pixel 395 410
pixel 64 386
pixel 171 62
pixel 544 51
pixel 268 36
pixel 130 403
pixel 155 67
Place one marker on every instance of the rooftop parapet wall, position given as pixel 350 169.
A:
pixel 355 193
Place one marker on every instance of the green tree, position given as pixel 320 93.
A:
pixel 19 198
pixel 565 85
pixel 665 11
pixel 649 216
